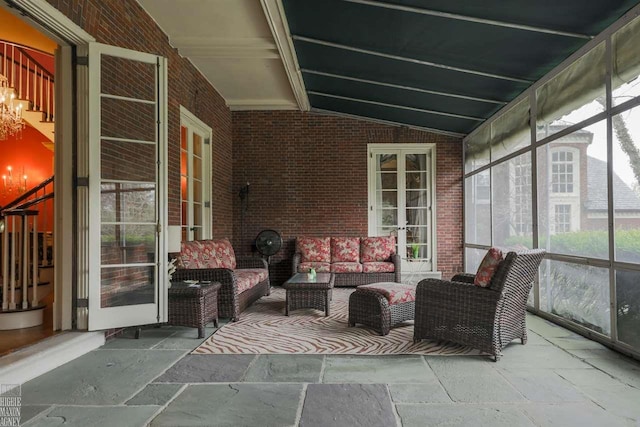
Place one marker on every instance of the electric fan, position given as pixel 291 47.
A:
pixel 268 243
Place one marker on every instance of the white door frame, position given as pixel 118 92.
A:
pixel 66 33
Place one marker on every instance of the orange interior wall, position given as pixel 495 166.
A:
pixel 27 152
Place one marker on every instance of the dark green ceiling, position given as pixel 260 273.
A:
pixel 439 64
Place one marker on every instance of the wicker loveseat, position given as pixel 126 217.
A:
pixel 485 318
pixel 243 280
pixel 354 260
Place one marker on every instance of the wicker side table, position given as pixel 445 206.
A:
pixel 193 305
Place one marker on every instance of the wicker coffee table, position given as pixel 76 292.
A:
pixel 303 292
pixel 193 305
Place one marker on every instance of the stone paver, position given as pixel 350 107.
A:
pixel 28 412
pixel 155 394
pixel 543 386
pixel 101 377
pixel 573 414
pixel 233 405
pixel 347 405
pixel 285 368
pixel 205 368
pixel 617 399
pixel 479 388
pixel 104 416
pixel 149 337
pixel 430 392
pixel 376 369
pixel 462 416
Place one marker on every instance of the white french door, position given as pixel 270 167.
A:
pixel 126 187
pixel 195 177
pixel 401 200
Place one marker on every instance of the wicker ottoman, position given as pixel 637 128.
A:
pixel 382 305
pixel 193 305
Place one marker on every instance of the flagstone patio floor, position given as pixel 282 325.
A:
pixel 557 379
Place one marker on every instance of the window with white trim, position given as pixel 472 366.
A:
pixel 195 173
pixel 562 172
pixel 562 218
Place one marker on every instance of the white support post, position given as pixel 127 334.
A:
pixel 5 265
pixel 25 263
pixel 12 302
pixel 34 263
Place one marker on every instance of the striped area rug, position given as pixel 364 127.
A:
pixel 264 329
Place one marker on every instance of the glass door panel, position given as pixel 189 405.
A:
pixel 125 133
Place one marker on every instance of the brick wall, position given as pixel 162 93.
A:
pixel 308 175
pixel 125 24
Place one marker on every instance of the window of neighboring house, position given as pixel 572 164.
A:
pixel 522 195
pixel 483 188
pixel 563 218
pixel 195 182
pixel 562 172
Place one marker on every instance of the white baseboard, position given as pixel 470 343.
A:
pixel 40 358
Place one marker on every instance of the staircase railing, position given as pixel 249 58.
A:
pixel 22 250
pixel 30 79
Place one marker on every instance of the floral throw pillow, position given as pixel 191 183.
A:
pixel 377 249
pixel 314 249
pixel 488 267
pixel 345 249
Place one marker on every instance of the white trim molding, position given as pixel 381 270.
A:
pixel 274 12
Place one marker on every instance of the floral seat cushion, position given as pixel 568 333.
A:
pixel 247 278
pixel 345 249
pixel 314 249
pixel 377 249
pixel 378 267
pixel 320 267
pixel 346 267
pixel 395 293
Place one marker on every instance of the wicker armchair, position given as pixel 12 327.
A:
pixel 230 302
pixel 483 318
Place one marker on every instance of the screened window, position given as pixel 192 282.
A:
pixel 562 172
pixel 522 193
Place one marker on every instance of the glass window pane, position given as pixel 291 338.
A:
pixel 628 303
pixel 626 185
pixel 416 180
pixel 127 77
pixel 184 194
pixel 128 202
pixel 478 209
pixel 128 119
pixel 388 217
pixel 184 163
pixel 197 168
pixel 511 211
pixel 122 286
pixel 185 215
pixel 511 131
pixel 197 145
pixel 197 191
pixel 197 214
pixel 183 137
pixel 472 259
pixel 572 202
pixel 386 162
pixel 416 162
pixel 476 149
pixel 127 244
pixel 387 181
pixel 576 292
pixel 387 199
pixel 128 161
pixel 626 62
pixel 574 95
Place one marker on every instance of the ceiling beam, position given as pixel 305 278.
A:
pixel 277 20
pixel 407 59
pixel 402 107
pixel 409 88
pixel 212 47
pixel 458 17
pixel 386 122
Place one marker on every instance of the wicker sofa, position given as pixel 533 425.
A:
pixel 243 280
pixel 354 260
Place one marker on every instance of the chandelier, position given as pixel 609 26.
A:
pixel 13 185
pixel 11 122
